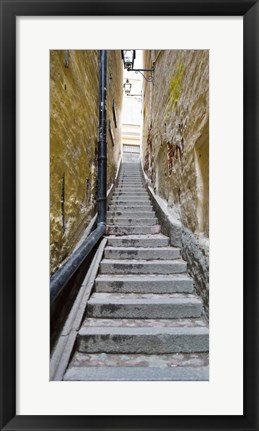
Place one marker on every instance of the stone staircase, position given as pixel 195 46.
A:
pixel 143 320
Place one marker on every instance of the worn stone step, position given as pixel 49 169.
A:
pixel 158 240
pixel 130 184
pixel 137 374
pixel 130 174
pixel 131 178
pixel 134 180
pixel 169 360
pixel 113 266
pixel 127 178
pixel 130 208
pixel 130 188
pixel 143 306
pixel 130 191
pixel 149 336
pixel 143 253
pixel 129 214
pixel 135 214
pixel 130 194
pixel 122 221
pixel 132 230
pixel 127 283
pixel 133 187
pixel 110 366
pixel 130 199
pixel 138 206
pixel 139 203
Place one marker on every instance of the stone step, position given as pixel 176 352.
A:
pixel 149 336
pixel 130 171
pixel 165 253
pixel 109 373
pixel 135 214
pixel 127 283
pixel 132 204
pixel 130 184
pixel 122 221
pixel 132 188
pixel 135 179
pixel 132 230
pixel 131 178
pixel 138 206
pixel 130 194
pixel 135 183
pixel 143 306
pixel 158 240
pixel 113 266
pixel 136 361
pixel 130 174
pixel 130 199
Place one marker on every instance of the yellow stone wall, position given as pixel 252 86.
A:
pixel 74 113
pixel 176 133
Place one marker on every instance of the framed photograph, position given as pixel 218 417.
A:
pixel 40 42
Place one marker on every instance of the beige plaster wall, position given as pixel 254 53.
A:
pixel 74 113
pixel 176 133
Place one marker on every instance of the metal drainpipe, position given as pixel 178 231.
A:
pixel 102 151
pixel 62 276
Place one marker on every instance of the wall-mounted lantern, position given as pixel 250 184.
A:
pixel 128 56
pixel 127 87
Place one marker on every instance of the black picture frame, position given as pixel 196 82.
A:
pixel 9 11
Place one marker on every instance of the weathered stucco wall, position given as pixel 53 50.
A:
pixel 74 113
pixel 175 151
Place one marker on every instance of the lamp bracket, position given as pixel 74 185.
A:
pixel 149 78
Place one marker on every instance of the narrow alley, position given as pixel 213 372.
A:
pixel 129 222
